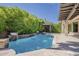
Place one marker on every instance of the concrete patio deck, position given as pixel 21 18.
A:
pixel 7 52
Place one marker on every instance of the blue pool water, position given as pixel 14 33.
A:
pixel 36 42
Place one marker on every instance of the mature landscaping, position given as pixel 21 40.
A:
pixel 17 20
pixel 13 19
pixel 56 27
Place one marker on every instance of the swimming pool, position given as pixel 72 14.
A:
pixel 36 42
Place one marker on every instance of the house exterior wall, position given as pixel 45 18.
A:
pixel 64 25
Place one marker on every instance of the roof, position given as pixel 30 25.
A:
pixel 68 11
pixel 47 23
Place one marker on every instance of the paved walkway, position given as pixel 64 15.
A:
pixel 63 46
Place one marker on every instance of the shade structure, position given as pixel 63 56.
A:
pixel 68 11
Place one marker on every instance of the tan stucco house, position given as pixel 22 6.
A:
pixel 69 18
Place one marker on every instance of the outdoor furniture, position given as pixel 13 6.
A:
pixel 4 43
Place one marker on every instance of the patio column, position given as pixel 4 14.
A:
pixel 72 26
pixel 66 27
pixel 78 26
pixel 50 28
pixel 62 26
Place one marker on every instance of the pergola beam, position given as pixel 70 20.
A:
pixel 72 11
pixel 66 5
pixel 66 8
pixel 65 11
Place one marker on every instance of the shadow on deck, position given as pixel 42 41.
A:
pixel 76 36
pixel 69 46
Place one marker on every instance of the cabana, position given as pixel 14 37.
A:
pixel 47 26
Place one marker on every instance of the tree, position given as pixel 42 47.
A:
pixel 56 27
pixel 14 19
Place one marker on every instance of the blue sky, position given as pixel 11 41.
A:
pixel 50 11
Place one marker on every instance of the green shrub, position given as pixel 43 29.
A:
pixel 56 27
pixel 17 20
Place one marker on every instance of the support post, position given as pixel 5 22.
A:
pixel 78 26
pixel 72 26
pixel 62 27
pixel 66 27
pixel 50 28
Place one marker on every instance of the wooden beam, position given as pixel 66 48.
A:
pixel 75 14
pixel 65 11
pixel 72 11
pixel 65 8
pixel 66 4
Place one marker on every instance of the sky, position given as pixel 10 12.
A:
pixel 48 11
